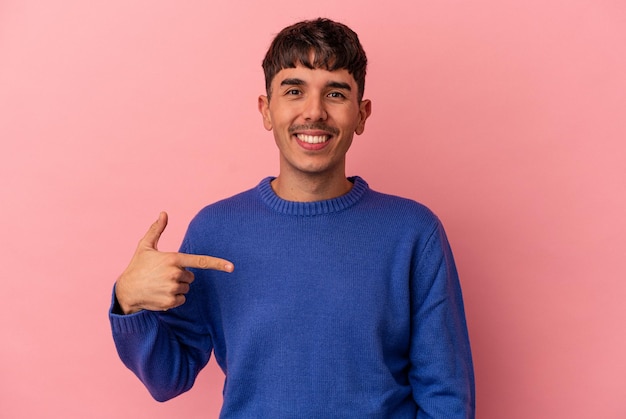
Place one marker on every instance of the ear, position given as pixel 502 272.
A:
pixel 365 109
pixel 264 108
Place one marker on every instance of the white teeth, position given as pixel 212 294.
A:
pixel 312 139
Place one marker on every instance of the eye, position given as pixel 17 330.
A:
pixel 292 92
pixel 336 95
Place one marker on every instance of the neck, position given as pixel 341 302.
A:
pixel 310 188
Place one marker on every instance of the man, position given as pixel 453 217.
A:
pixel 345 302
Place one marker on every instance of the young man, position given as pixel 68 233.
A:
pixel 345 302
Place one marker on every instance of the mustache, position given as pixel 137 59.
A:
pixel 312 127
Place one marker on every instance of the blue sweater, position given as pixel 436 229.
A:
pixel 347 308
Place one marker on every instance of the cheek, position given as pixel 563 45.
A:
pixel 351 122
pixel 281 118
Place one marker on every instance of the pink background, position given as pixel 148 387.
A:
pixel 508 119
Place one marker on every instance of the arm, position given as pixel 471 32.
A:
pixel 165 351
pixel 165 348
pixel 441 371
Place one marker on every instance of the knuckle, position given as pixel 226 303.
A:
pixel 176 301
pixel 170 259
pixel 173 288
pixel 186 276
pixel 172 275
pixel 204 262
pixel 170 301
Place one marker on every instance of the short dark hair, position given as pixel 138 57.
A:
pixel 332 46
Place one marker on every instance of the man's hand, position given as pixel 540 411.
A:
pixel 158 280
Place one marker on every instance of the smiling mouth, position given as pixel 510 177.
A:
pixel 313 139
pixel 315 134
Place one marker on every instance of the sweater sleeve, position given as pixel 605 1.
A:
pixel 166 350
pixel 441 372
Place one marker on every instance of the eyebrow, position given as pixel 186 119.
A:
pixel 300 82
pixel 339 85
pixel 292 82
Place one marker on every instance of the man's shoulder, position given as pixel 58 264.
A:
pixel 240 200
pixel 218 218
pixel 400 205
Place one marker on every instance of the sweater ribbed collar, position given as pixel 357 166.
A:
pixel 269 197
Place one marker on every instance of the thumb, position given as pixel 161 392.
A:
pixel 151 239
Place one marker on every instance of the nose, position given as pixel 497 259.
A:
pixel 314 109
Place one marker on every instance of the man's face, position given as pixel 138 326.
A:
pixel 314 114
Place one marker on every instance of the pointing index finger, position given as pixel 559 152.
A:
pixel 187 260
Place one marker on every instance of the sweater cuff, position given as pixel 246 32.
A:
pixel 139 322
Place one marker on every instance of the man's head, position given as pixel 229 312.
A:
pixel 319 43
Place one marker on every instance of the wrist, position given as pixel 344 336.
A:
pixel 120 303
